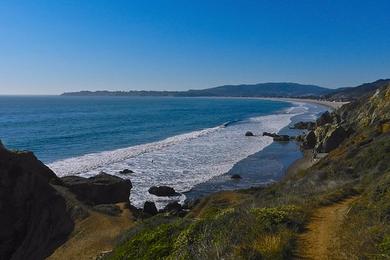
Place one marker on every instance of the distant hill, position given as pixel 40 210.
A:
pixel 282 89
pixel 253 90
pixel 354 93
pixel 275 89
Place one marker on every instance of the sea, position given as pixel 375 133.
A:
pixel 190 144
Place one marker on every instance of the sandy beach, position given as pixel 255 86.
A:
pixel 331 104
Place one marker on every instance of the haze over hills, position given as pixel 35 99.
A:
pixel 277 89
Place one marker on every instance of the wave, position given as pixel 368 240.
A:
pixel 181 161
pixel 88 162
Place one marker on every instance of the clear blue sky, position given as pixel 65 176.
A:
pixel 48 47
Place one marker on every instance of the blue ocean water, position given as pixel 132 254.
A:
pixel 179 142
pixel 61 127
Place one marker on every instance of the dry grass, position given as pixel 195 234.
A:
pixel 94 235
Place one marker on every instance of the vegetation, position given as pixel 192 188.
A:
pixel 263 223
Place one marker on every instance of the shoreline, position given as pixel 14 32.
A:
pixel 330 104
pixel 269 165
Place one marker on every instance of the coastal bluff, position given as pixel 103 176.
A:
pixel 39 211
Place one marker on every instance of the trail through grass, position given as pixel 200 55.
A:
pixel 316 241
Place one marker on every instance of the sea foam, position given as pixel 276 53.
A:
pixel 181 161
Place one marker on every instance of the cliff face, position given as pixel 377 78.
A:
pixel 365 114
pixel 33 216
pixel 368 111
pixel 38 210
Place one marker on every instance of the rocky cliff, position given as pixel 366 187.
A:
pixel 38 210
pixel 33 216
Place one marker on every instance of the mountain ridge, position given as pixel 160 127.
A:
pixel 270 89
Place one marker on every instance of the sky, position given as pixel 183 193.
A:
pixel 50 47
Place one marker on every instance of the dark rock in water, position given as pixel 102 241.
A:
pixel 150 208
pixel 269 134
pixel 305 125
pixel 1 146
pixel 235 177
pixel 325 118
pixel 276 137
pixel 249 133
pixel 163 191
pixel 282 138
pixel 310 140
pixel 126 171
pixel 34 219
pixel 100 189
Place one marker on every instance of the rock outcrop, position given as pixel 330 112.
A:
pixel 305 125
pixel 34 219
pixel 150 208
pixel 310 140
pixel 276 137
pixel 329 137
pixel 235 177
pixel 163 191
pixel 324 119
pixel 100 189
pixel 126 171
pixel 249 133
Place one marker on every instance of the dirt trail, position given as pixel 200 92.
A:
pixel 316 241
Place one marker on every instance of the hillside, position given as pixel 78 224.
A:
pixel 255 90
pixel 354 93
pixel 261 90
pixel 265 223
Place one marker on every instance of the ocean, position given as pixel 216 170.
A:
pixel 179 142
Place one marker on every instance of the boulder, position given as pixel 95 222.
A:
pixel 325 118
pixel 34 219
pixel 150 208
pixel 126 171
pixel 100 189
pixel 163 191
pixel 281 138
pixel 305 125
pixel 249 133
pixel 269 134
pixel 235 177
pixel 329 137
pixel 276 137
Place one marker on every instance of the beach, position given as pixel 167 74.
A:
pixel 330 104
pixel 268 165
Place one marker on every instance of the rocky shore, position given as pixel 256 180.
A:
pixel 346 154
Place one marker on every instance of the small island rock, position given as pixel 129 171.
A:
pixel 235 177
pixel 249 133
pixel 126 171
pixel 163 191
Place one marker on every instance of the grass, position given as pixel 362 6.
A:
pixel 262 223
